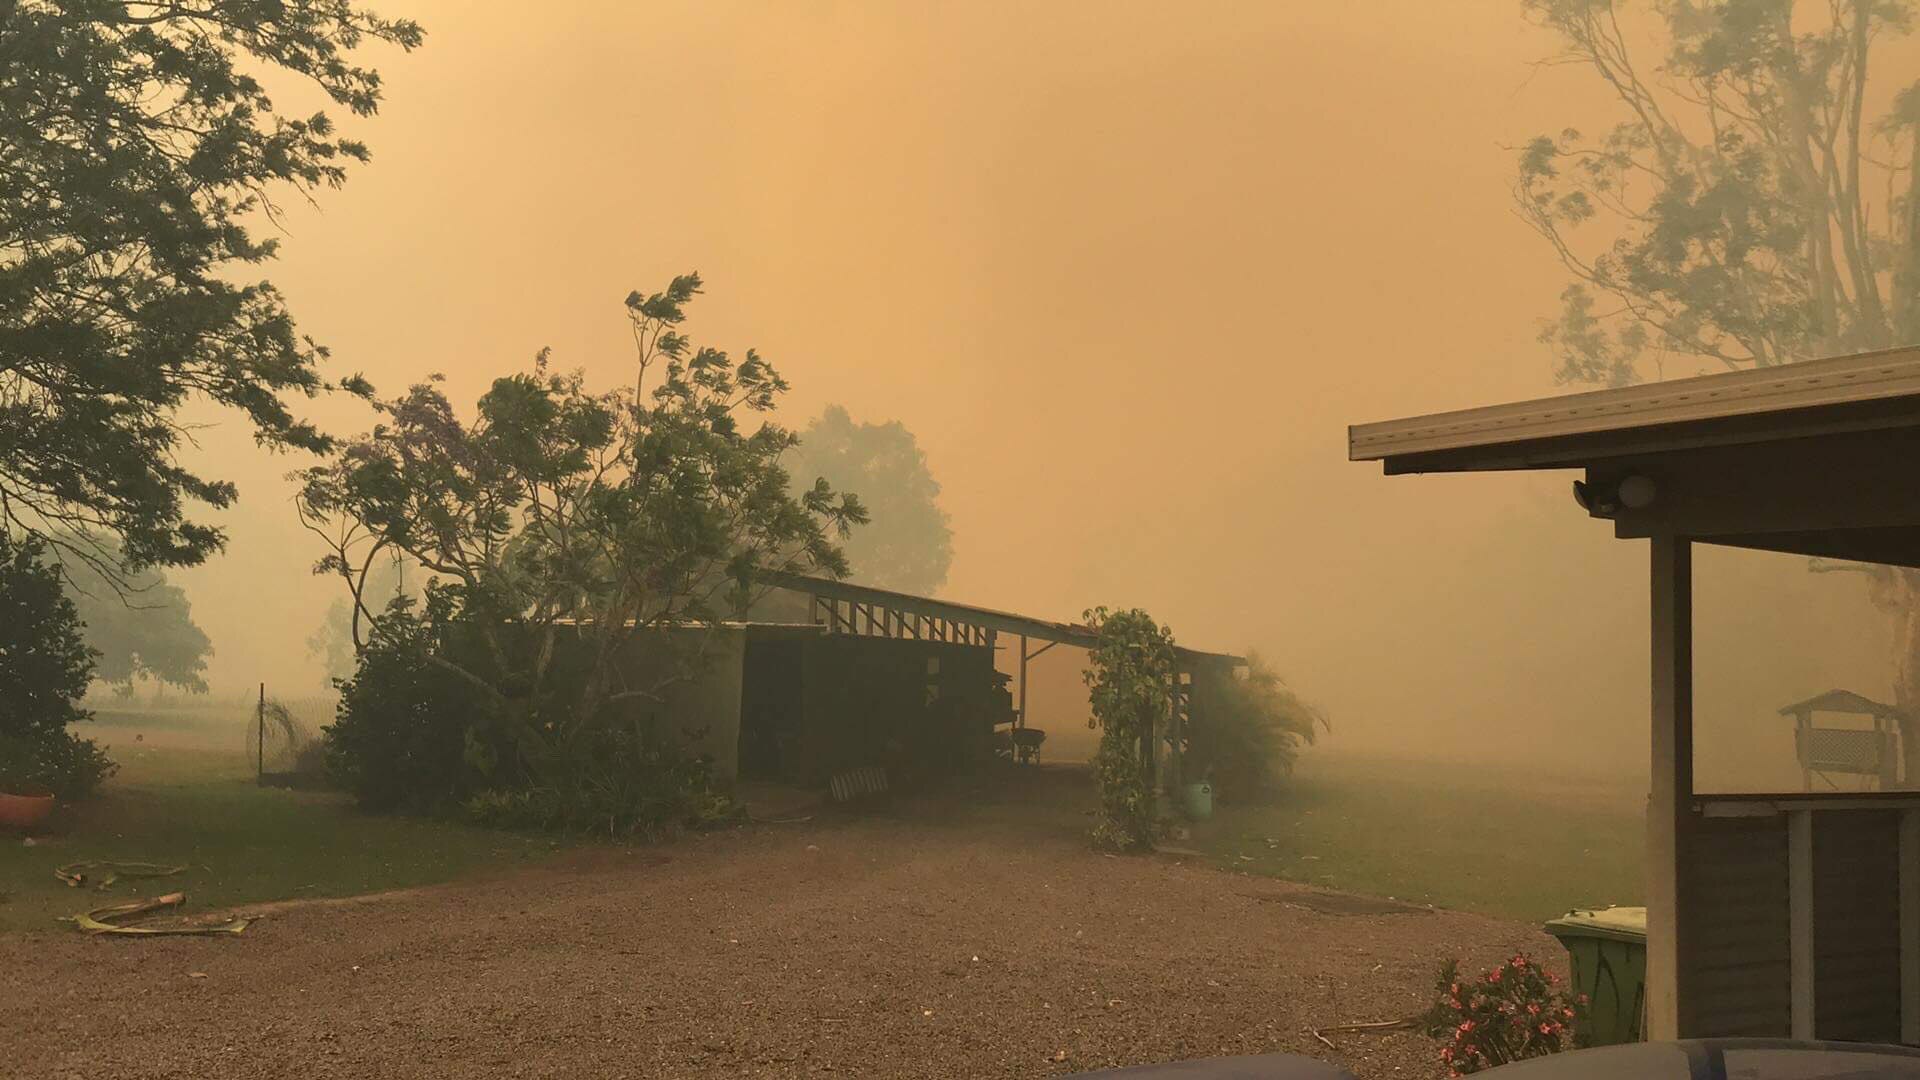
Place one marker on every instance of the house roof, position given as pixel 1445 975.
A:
pixel 1066 633
pixel 1864 392
pixel 1840 701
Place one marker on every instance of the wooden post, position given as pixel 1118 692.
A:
pixel 1177 705
pixel 1672 788
pixel 260 738
pixel 1022 721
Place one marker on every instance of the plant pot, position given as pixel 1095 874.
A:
pixel 24 811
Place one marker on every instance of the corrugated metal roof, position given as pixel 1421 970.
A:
pixel 1076 634
pixel 1784 388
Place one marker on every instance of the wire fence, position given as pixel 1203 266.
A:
pixel 283 739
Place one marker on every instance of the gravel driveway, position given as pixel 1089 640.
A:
pixel 973 935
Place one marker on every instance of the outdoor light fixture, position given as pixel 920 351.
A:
pixel 1603 499
pixel 1636 492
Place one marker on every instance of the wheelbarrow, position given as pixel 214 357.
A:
pixel 1026 744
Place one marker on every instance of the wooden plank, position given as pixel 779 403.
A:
pixel 1800 921
pixel 1784 488
pixel 1857 933
pixel 1910 927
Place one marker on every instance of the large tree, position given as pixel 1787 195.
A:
pixel 908 545
pixel 141 627
pixel 565 526
pixel 1750 207
pixel 139 153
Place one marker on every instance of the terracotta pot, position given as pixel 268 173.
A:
pixel 24 811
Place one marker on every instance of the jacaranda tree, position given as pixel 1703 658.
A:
pixel 565 527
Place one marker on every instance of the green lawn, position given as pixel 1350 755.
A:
pixel 185 794
pixel 1493 841
pixel 1486 840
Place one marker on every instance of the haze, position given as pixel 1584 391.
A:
pixel 1128 275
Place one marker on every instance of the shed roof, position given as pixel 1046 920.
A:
pixel 1863 392
pixel 1840 701
pixel 1006 622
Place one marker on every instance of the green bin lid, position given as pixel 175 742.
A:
pixel 1614 923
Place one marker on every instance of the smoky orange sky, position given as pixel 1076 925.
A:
pixel 1127 271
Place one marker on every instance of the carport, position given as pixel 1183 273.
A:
pixel 1770 913
pixel 844 608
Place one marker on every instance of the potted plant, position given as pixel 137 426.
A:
pixel 25 799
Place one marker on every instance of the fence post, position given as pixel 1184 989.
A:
pixel 260 738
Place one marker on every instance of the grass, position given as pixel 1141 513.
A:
pixel 185 793
pixel 1522 847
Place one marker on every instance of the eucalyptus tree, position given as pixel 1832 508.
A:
pixel 1752 205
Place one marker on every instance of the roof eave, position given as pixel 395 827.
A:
pixel 1786 401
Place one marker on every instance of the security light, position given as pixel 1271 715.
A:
pixel 1603 499
pixel 1636 492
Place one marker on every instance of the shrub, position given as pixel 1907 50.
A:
pixel 45 666
pixel 400 736
pixel 1130 688
pixel 620 779
pixel 62 764
pixel 661 797
pixel 411 735
pixel 1513 1012
pixel 1247 735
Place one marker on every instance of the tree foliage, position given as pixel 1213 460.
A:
pixel 1246 739
pixel 1129 678
pixel 908 545
pixel 45 666
pixel 400 737
pixel 1746 208
pixel 139 149
pixel 332 642
pixel 140 626
pixel 564 526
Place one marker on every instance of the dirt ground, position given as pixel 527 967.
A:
pixel 969 934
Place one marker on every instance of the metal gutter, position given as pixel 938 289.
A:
pixel 1891 373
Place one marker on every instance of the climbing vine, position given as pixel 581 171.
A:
pixel 1130 685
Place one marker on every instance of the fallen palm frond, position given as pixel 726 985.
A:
pixel 75 873
pixel 1375 1025
pixel 115 919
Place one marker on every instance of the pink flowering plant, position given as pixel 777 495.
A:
pixel 1518 1010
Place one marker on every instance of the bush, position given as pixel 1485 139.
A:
pixel 620 780
pixel 1246 737
pixel 63 765
pixel 1129 681
pixel 400 736
pixel 1513 1012
pixel 45 666
pixel 412 736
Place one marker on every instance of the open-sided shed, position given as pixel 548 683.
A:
pixel 844 608
pixel 1771 913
